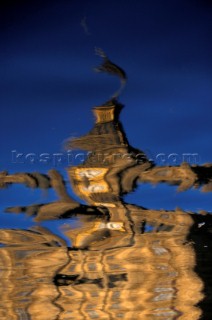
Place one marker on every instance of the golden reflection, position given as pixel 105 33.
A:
pixel 125 262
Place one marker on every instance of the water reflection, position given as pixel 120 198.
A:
pixel 125 261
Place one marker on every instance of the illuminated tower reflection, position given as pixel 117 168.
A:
pixel 125 262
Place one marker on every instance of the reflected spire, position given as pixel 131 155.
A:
pixel 111 68
pixel 124 261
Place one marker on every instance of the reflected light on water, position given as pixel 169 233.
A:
pixel 121 261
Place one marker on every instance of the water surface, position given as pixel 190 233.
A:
pixel 102 257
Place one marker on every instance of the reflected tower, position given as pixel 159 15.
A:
pixel 124 261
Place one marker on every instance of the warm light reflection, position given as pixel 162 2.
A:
pixel 125 262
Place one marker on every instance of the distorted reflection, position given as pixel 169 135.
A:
pixel 125 261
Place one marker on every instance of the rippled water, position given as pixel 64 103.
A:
pixel 106 259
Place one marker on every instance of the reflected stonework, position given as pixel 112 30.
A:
pixel 125 261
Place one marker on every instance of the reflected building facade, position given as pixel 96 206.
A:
pixel 125 261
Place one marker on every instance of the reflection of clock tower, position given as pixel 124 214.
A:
pixel 124 261
pixel 128 263
pixel 99 179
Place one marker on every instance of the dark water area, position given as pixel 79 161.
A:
pixel 104 258
pixel 105 208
